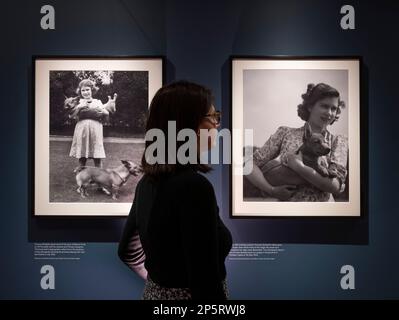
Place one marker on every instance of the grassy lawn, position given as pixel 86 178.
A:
pixel 62 178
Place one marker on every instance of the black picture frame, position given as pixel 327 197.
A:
pixel 154 64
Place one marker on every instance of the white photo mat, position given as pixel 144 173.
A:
pixel 352 207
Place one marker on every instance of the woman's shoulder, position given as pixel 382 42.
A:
pixel 190 179
pixel 288 129
pixel 182 181
pixel 337 136
pixel 340 140
pixel 190 184
pixel 342 137
pixel 285 130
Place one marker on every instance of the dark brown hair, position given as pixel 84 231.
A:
pixel 315 93
pixel 186 103
pixel 87 83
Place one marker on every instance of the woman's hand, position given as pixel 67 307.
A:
pixel 294 160
pixel 283 192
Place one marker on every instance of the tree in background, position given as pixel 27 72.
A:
pixel 132 102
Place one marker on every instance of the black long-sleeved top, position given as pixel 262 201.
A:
pixel 184 242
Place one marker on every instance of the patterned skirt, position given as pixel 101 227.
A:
pixel 87 140
pixel 153 291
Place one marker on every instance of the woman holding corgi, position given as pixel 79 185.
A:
pixel 87 142
pixel 320 108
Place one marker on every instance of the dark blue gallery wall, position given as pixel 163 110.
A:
pixel 82 28
pixel 312 28
pixel 197 37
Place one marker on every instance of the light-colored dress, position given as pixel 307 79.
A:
pixel 87 139
pixel 287 141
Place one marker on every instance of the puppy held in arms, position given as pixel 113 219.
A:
pixel 314 146
pixel 110 179
pixel 79 112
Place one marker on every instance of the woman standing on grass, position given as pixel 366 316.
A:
pixel 87 142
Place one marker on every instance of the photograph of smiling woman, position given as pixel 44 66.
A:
pixel 303 163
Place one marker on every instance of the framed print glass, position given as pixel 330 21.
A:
pixel 89 125
pixel 304 117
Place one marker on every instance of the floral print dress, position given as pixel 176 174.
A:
pixel 287 141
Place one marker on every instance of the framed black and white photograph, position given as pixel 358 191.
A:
pixel 303 118
pixel 89 125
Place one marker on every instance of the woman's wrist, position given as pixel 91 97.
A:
pixel 270 190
